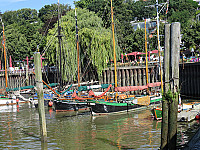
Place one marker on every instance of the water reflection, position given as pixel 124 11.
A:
pixel 127 131
pixel 19 129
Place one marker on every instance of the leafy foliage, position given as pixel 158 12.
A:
pixel 22 33
pixel 191 35
pixel 49 14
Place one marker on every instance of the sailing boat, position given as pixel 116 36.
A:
pixel 72 102
pixel 7 99
pixel 123 102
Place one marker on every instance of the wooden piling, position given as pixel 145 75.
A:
pixel 39 86
pixel 123 78
pixel 119 78
pixel 27 77
pixel 131 79
pixel 139 77
pixel 144 77
pixel 127 78
pixel 135 79
pixel 108 76
pixel 112 76
pixel 104 76
pixel 173 107
pixel 164 129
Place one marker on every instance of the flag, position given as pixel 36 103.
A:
pixel 167 9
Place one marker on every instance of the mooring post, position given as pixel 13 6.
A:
pixel 165 102
pixel 39 86
pixel 173 107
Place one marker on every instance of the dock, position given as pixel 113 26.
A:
pixel 190 113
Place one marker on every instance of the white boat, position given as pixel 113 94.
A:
pixel 13 100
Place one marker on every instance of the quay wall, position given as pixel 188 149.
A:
pixel 189 77
pixel 17 79
pixel 131 75
pixel 189 80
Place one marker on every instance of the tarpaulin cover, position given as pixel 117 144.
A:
pixel 74 95
pixel 130 88
pixel 135 88
pixel 154 84
pixel 91 93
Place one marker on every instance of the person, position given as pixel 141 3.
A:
pixel 11 69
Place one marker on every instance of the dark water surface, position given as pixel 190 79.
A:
pixel 19 129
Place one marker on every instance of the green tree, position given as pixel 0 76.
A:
pixel 49 14
pixel 95 43
pixel 21 16
pixel 83 3
pixel 182 11
pixel 191 35
pixel 22 33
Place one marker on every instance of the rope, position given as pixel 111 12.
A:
pixel 46 77
pixel 47 28
pixel 51 40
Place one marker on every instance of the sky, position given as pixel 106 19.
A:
pixel 10 5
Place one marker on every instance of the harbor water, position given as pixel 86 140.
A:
pixel 20 129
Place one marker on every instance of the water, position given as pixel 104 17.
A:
pixel 19 129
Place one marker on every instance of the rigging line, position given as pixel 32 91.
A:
pixel 47 27
pixel 49 43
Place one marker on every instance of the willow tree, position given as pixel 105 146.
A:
pixel 95 43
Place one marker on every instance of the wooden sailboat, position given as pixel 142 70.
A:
pixel 72 103
pixel 122 102
pixel 6 99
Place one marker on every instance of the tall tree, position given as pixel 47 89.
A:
pixel 95 43
pixel 22 32
pixel 49 14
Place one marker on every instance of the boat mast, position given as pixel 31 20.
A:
pixel 158 36
pixel 146 52
pixel 115 66
pixel 59 42
pixel 77 46
pixel 4 47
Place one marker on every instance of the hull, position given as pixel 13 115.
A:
pixel 66 106
pixel 157 113
pixel 104 107
pixel 10 101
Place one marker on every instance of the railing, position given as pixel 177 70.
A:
pixel 19 71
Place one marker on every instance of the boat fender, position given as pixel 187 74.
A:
pixel 50 104
pixel 17 100
pixel 197 117
pixel 11 101
pixel 7 103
